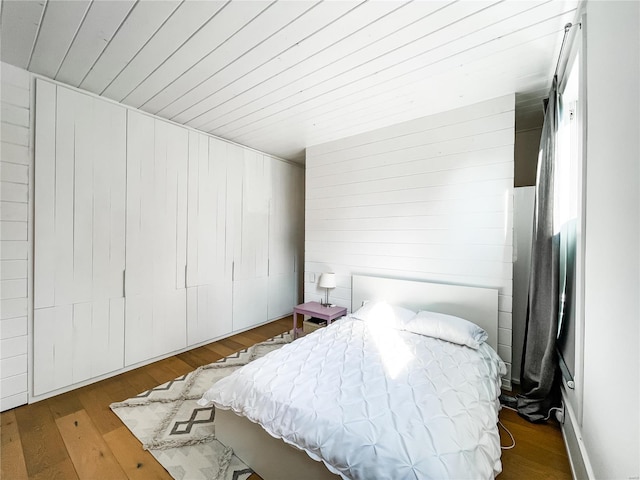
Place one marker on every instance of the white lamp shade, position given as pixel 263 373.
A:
pixel 327 280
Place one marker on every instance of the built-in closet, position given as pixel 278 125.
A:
pixel 150 238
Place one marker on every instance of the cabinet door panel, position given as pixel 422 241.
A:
pixel 155 325
pixel 79 209
pixel 140 204
pixel 64 174
pixel 79 240
pixel 285 237
pixel 73 343
pixel 281 295
pixel 156 205
pixel 157 154
pixel 250 302
pixel 209 311
pixel 107 336
pixel 44 210
pixel 109 200
pixel 98 338
pixel 209 306
pixel 85 132
pixel 251 256
pixel 52 354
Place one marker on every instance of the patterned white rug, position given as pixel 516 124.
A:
pixel 178 432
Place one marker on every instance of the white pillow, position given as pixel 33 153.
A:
pixel 382 313
pixel 447 327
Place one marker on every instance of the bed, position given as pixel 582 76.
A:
pixel 375 395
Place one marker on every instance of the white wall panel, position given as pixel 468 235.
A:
pixel 15 115
pixel 11 347
pixel 14 211
pixel 14 385
pixel 14 173
pixel 13 327
pixel 611 238
pixel 15 153
pixel 14 192
pixel 14 94
pixel 16 307
pixel 10 250
pixel 15 168
pixel 428 199
pixel 13 366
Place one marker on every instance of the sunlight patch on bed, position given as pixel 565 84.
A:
pixel 394 352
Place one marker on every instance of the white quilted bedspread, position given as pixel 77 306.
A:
pixel 372 402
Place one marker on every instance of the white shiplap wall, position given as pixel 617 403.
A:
pixel 15 167
pixel 429 199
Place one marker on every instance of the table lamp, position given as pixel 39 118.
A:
pixel 327 281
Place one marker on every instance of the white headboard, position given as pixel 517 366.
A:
pixel 478 305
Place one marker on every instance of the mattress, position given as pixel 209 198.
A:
pixel 374 402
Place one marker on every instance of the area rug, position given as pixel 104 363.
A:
pixel 178 432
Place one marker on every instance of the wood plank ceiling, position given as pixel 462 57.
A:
pixel 279 76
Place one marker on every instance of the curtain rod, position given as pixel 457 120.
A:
pixel 567 27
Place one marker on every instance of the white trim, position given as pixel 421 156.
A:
pixel 92 380
pixel 576 450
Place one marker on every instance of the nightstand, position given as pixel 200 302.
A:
pixel 315 309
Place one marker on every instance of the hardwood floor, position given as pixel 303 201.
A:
pixel 76 436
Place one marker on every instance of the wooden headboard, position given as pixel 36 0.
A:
pixel 478 305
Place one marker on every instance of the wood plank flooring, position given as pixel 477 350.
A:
pixel 76 436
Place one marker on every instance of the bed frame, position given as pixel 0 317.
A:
pixel 478 305
pixel 271 458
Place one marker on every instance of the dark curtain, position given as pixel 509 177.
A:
pixel 539 377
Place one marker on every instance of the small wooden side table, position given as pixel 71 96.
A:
pixel 315 309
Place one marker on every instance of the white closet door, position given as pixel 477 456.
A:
pixel 208 263
pixel 80 170
pixel 285 236
pixel 251 243
pixel 44 277
pixel 209 312
pixel 52 348
pixel 156 237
